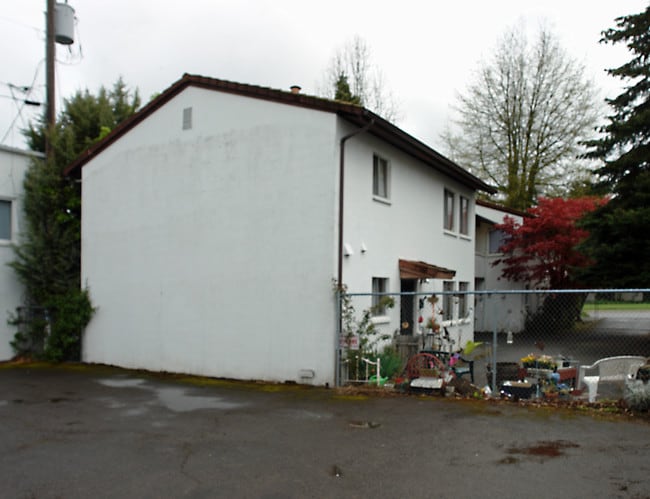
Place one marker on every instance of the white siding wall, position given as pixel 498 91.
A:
pixel 410 227
pixel 210 250
pixel 13 165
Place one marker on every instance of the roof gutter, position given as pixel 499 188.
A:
pixel 344 139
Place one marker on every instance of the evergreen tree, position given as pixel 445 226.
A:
pixel 620 231
pixel 48 255
pixel 351 66
pixel 343 92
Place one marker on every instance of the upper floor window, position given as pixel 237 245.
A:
pixel 380 177
pixel 5 220
pixel 464 216
pixel 497 239
pixel 449 210
pixel 379 285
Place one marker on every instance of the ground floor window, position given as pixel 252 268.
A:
pixel 447 301
pixel 463 310
pixel 379 285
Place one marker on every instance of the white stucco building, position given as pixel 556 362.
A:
pixel 211 229
pixel 13 165
pixel 503 312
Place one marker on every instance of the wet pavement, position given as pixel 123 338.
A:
pixel 90 431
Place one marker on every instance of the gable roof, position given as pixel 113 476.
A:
pixel 354 114
pixel 500 207
pixel 488 218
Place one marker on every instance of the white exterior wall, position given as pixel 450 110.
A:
pixel 13 165
pixel 211 251
pixel 410 227
pixel 505 312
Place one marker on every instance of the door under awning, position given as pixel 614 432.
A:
pixel 410 269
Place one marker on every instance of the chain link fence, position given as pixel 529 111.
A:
pixel 33 329
pixel 509 343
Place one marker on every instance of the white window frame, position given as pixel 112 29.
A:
pixel 9 203
pixel 380 178
pixel 449 201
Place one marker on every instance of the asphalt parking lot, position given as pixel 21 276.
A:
pixel 93 431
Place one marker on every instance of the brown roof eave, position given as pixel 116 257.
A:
pixel 411 269
pixel 350 112
pixel 74 168
pixel 187 80
pixel 395 136
pixel 500 207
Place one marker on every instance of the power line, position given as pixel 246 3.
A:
pixel 24 102
pixel 22 24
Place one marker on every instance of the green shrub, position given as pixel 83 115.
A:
pixel 391 363
pixel 56 334
pixel 637 395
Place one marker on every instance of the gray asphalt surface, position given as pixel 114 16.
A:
pixel 97 432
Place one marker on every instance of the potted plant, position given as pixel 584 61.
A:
pixel 539 362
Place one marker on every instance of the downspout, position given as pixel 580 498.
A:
pixel 339 277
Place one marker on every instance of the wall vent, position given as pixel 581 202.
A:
pixel 187 118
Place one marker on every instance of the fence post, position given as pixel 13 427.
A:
pixel 494 352
pixel 378 370
pixel 337 339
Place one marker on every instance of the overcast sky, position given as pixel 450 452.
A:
pixel 427 51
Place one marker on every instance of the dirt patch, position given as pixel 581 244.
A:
pixel 554 448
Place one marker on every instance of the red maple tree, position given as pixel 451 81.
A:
pixel 542 248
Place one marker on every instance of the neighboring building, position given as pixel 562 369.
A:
pixel 211 223
pixel 13 165
pixel 506 312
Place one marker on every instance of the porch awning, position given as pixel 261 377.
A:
pixel 409 269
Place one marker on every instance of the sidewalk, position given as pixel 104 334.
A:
pixel 99 432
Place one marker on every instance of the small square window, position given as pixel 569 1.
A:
pixel 380 177
pixel 5 220
pixel 379 285
pixel 449 210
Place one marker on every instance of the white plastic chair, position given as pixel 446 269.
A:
pixel 617 368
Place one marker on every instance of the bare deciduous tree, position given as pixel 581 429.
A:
pixel 352 62
pixel 521 121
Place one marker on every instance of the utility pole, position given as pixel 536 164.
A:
pixel 50 57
